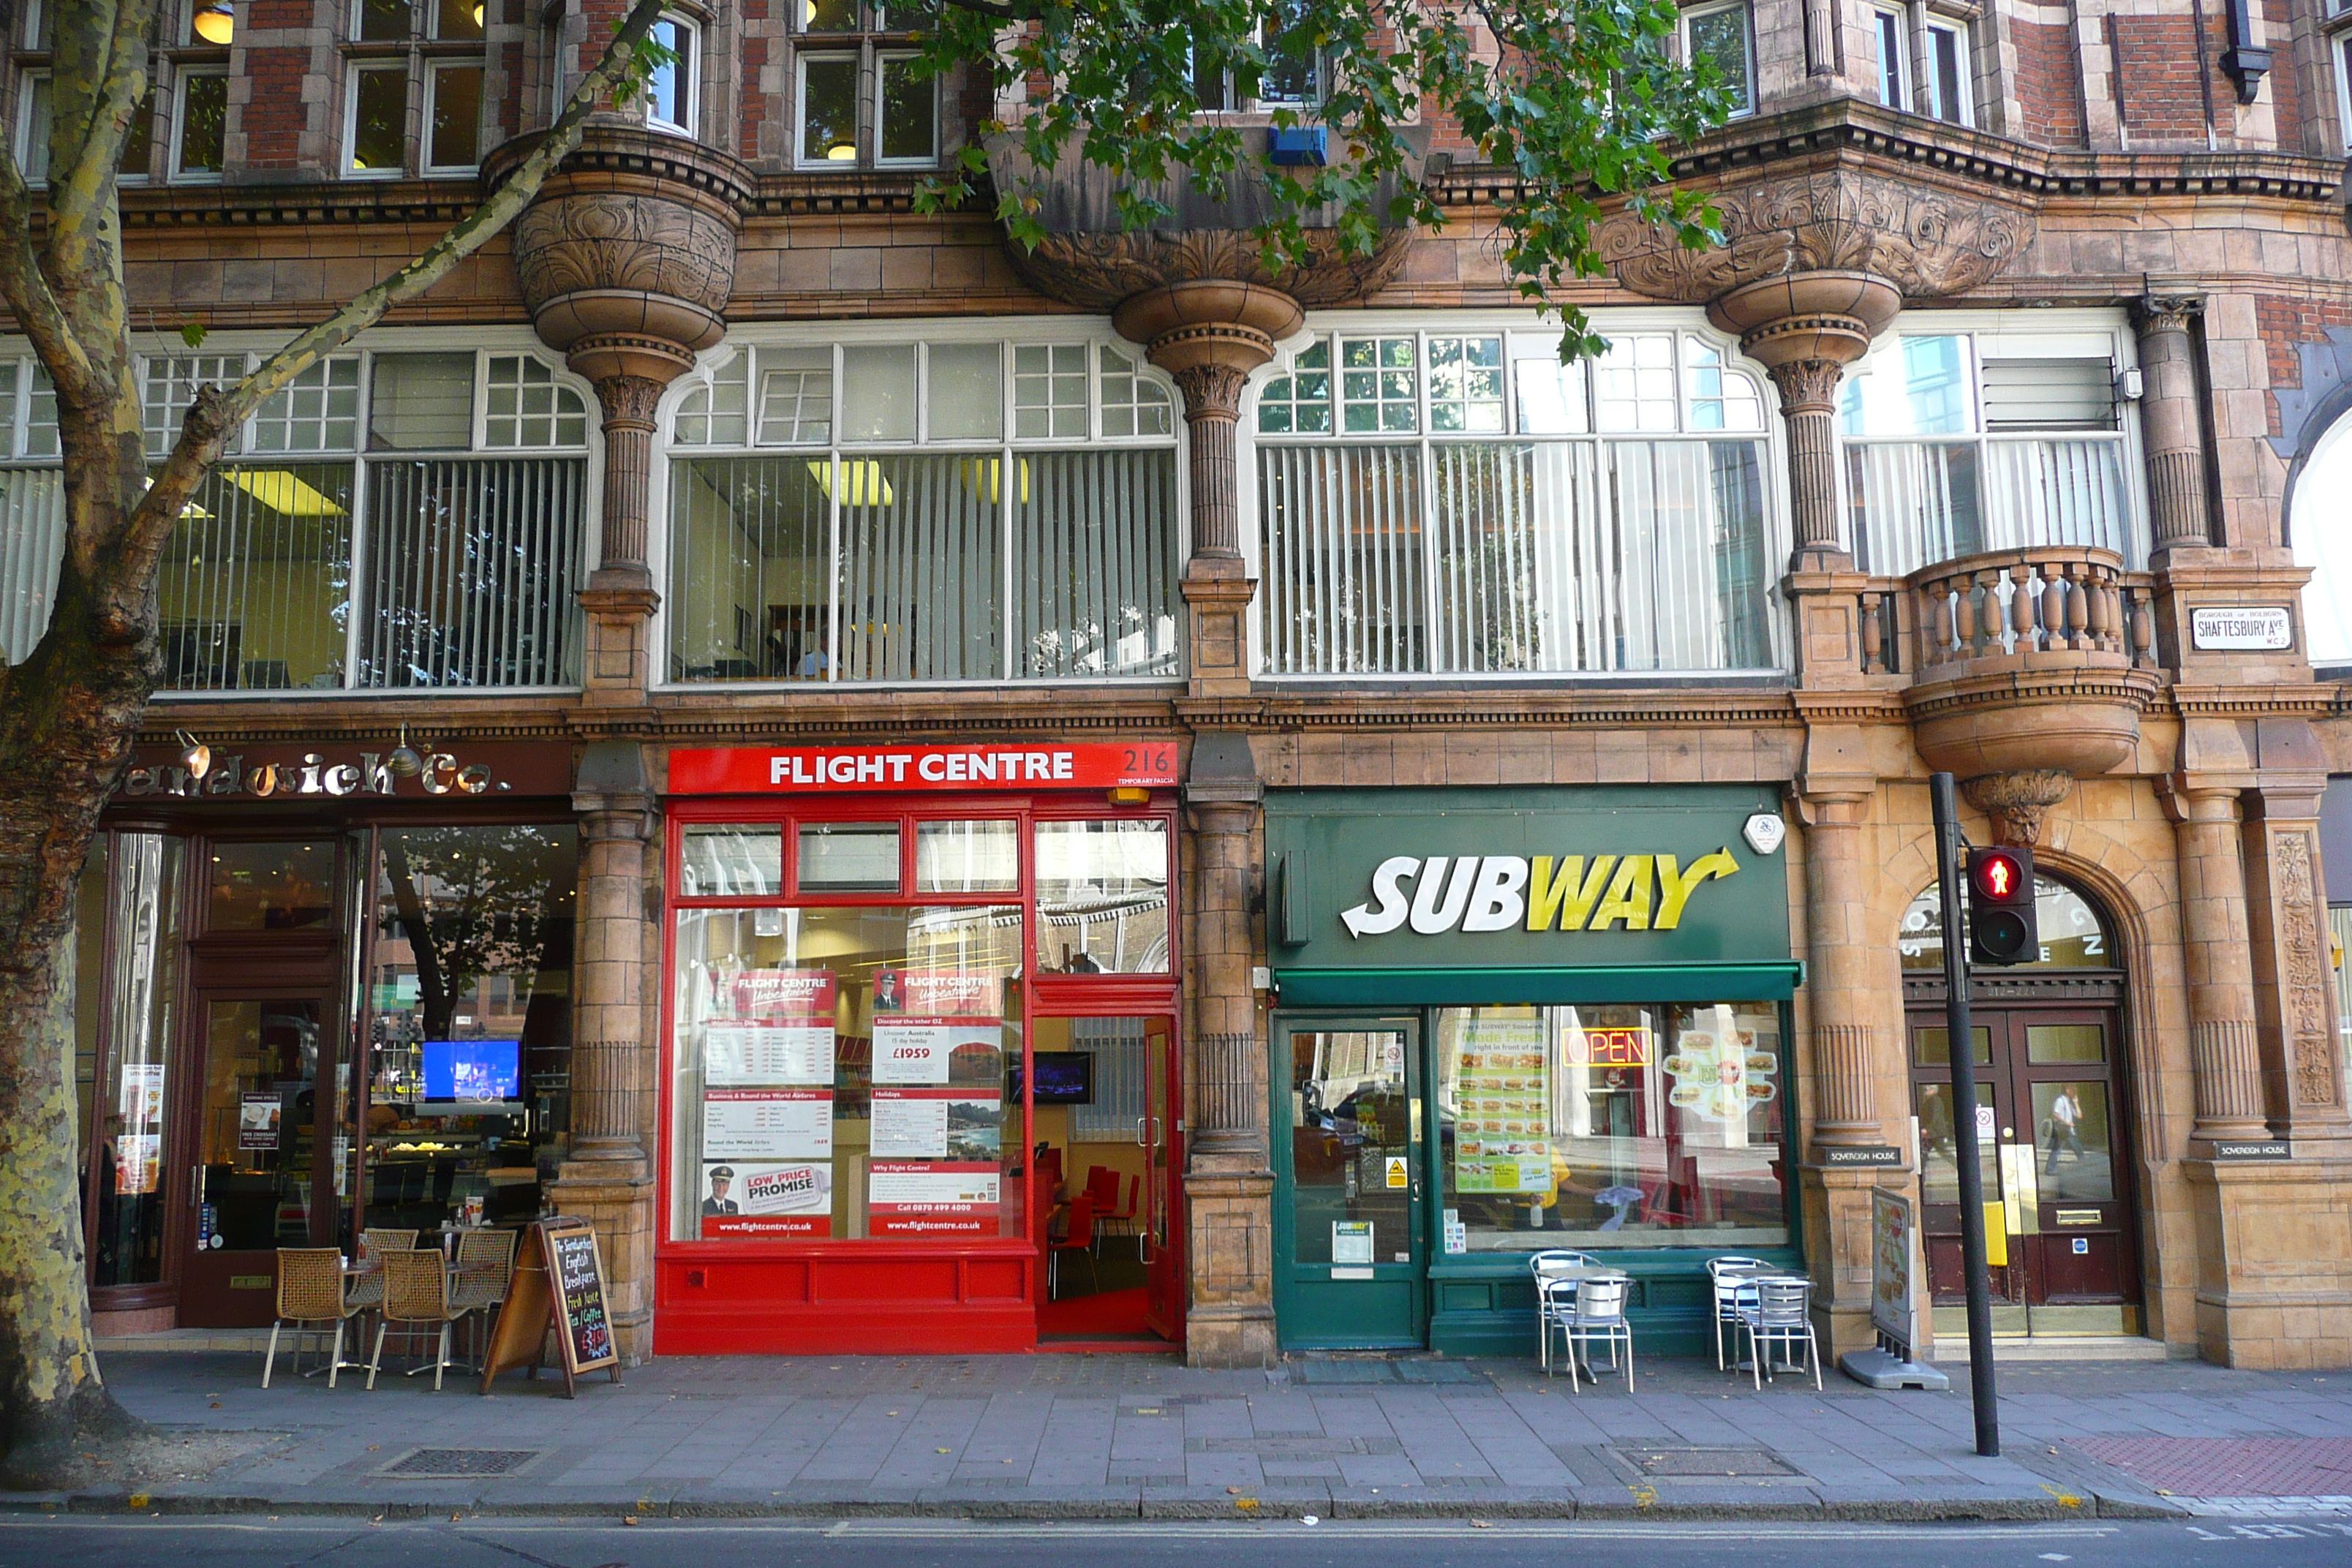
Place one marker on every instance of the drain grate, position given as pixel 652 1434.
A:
pixel 1708 1463
pixel 457 1464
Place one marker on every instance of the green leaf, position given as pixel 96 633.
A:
pixel 192 335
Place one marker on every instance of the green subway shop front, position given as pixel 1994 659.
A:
pixel 1512 1020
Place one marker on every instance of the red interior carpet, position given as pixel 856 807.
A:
pixel 1114 1312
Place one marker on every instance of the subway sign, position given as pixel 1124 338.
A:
pixel 1526 877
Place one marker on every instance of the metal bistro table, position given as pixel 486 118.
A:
pixel 1555 1279
pixel 1568 1277
pixel 1750 1274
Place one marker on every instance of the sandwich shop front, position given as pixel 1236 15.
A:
pixel 1508 1021
pixel 920 1085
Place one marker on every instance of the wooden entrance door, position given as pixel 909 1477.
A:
pixel 2051 1135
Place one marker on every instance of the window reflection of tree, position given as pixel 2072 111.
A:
pixel 471 903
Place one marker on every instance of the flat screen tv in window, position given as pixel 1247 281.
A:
pixel 472 1077
pixel 1064 1078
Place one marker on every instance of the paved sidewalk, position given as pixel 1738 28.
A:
pixel 1128 1437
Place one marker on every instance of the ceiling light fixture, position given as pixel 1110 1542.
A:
pixel 216 22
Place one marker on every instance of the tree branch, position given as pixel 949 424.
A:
pixel 26 288
pixel 82 195
pixel 215 412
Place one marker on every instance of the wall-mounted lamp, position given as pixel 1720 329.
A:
pixel 1130 795
pixel 406 760
pixel 215 21
pixel 194 756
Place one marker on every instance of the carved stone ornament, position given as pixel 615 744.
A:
pixel 632 238
pixel 2017 802
pixel 1095 271
pixel 1211 389
pixel 1929 243
pixel 1808 385
pixel 2306 970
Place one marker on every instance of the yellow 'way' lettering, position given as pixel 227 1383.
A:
pixel 1564 899
pixel 1628 897
pixel 1676 885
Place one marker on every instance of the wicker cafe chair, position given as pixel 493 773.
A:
pixel 1782 1316
pixel 367 1290
pixel 1735 1289
pixel 310 1298
pixel 416 1296
pixel 484 1269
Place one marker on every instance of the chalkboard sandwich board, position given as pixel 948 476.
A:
pixel 559 1284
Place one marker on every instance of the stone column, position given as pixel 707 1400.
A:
pixel 2225 1053
pixel 607 1177
pixel 626 259
pixel 2172 421
pixel 1805 328
pixel 2293 990
pixel 1210 335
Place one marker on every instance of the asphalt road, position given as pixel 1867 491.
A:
pixel 94 1541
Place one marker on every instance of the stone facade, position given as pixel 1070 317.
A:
pixel 2111 161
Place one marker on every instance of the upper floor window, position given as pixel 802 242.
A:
pixel 1462 502
pixel 33 134
pixel 1962 442
pixel 390 519
pixel 924 511
pixel 1945 85
pixel 2339 47
pixel 1723 36
pixel 861 96
pixel 413 95
pixel 672 100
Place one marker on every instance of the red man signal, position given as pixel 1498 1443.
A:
pixel 2001 925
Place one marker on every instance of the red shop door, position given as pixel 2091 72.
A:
pixel 1161 1132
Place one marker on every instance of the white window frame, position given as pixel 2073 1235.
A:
pixel 1963 36
pixel 2339 50
pixel 840 449
pixel 24 134
pixel 1336 328
pixel 801 61
pixel 1893 27
pixel 1747 19
pixel 351 120
pixel 2057 335
pixel 883 57
pixel 184 76
pixel 686 72
pixel 434 68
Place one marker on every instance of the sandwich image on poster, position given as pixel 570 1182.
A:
pixel 740 1051
pixel 740 1198
pixel 919 1050
pixel 933 1123
pixel 767 1124
pixel 937 1198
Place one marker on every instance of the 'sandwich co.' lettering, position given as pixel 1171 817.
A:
pixel 229 773
pixel 1512 1020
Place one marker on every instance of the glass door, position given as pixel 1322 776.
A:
pixel 1163 1167
pixel 1350 1251
pixel 254 1183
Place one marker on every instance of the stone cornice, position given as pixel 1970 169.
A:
pixel 1848 130
pixel 2313 700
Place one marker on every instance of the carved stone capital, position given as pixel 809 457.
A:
pixel 629 400
pixel 1212 389
pixel 1927 242
pixel 2017 802
pixel 1808 385
pixel 1209 322
pixel 2155 314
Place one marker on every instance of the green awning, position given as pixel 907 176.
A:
pixel 1457 987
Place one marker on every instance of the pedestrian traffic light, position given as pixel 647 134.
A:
pixel 2001 907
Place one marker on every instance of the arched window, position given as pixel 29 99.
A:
pixel 2073 935
pixel 2323 542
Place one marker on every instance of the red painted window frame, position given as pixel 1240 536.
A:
pixel 1059 996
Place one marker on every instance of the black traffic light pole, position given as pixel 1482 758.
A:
pixel 1962 1042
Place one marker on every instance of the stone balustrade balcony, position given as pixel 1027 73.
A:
pixel 2017 661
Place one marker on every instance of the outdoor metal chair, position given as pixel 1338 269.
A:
pixel 1597 1312
pixel 311 1300
pixel 1732 1292
pixel 1782 1316
pixel 1554 1290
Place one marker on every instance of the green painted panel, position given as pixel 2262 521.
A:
pixel 1463 987
pixel 1527 879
